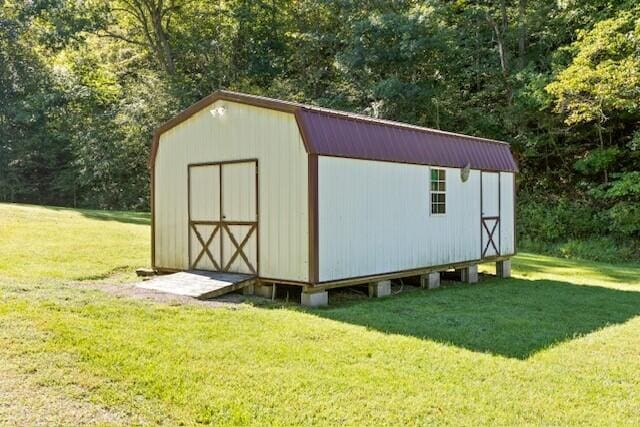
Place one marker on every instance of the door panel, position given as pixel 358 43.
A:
pixel 490 194
pixel 239 191
pixel 240 248
pixel 204 193
pixel 223 217
pixel 205 235
pixel 490 220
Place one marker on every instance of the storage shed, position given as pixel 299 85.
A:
pixel 300 195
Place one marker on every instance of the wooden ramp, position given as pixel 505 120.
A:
pixel 198 283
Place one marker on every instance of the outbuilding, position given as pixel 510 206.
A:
pixel 301 195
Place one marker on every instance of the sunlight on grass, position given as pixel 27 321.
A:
pixel 535 266
pixel 43 243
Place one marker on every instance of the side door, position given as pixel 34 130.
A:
pixel 490 214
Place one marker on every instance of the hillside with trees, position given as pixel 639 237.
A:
pixel 83 84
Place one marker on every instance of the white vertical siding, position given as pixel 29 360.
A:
pixel 374 217
pixel 507 214
pixel 490 194
pixel 243 132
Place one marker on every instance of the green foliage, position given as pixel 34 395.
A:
pixel 560 219
pixel 604 76
pixel 597 160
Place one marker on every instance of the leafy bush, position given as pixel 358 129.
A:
pixel 560 220
pixel 587 229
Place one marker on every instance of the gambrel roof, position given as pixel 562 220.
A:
pixel 342 134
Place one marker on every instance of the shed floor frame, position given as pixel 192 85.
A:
pixel 323 286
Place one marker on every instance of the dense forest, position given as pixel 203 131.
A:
pixel 84 82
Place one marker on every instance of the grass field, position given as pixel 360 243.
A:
pixel 558 344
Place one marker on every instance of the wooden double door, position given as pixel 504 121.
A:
pixel 490 217
pixel 223 216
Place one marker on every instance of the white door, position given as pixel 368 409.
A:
pixel 240 217
pixel 204 217
pixel 490 220
pixel 223 216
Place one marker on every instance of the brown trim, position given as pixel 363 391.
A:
pixel 481 213
pixel 153 214
pixel 303 133
pixel 257 226
pixel 314 265
pixel 490 234
pixel 499 213
pixel 189 223
pixel 239 247
pixel 312 206
pixel 205 246
pixel 514 214
pixel 284 281
pixel 223 162
pixel 220 215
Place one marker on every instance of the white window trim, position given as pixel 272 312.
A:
pixel 431 192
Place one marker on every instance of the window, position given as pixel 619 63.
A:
pixel 438 192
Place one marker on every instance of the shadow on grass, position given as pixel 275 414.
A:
pixel 128 217
pixel 513 318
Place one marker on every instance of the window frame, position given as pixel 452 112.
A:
pixel 441 189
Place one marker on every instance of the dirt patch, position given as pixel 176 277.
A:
pixel 130 290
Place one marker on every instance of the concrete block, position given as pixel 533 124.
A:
pixel 314 299
pixel 433 280
pixel 380 289
pixel 470 274
pixel 264 291
pixel 503 268
pixel 430 280
pixel 248 290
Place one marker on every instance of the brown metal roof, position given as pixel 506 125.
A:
pixel 341 134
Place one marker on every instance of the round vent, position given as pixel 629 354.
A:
pixel 464 172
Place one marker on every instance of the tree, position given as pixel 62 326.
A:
pixel 601 86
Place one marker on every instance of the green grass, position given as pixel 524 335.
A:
pixel 558 344
pixel 57 243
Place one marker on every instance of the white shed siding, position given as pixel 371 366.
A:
pixel 374 217
pixel 243 132
pixel 507 211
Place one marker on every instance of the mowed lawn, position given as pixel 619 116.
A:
pixel 558 344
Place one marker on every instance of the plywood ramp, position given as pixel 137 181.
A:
pixel 198 283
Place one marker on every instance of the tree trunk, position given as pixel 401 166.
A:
pixel 163 42
pixel 522 32
pixel 499 32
